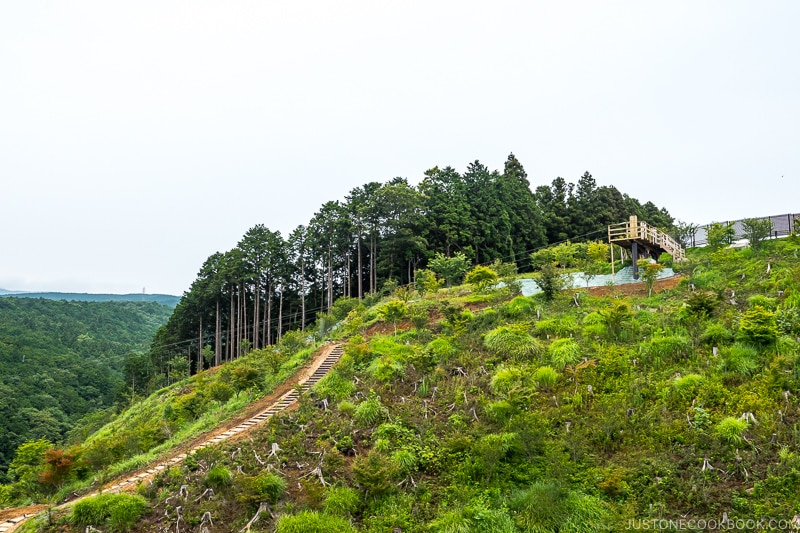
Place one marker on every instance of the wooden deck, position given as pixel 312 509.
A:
pixel 645 236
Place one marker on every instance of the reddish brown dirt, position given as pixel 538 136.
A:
pixel 635 289
pixel 5 514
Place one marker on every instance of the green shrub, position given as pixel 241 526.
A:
pixel 758 326
pixel 519 307
pixel 513 341
pixel 766 302
pixel 481 278
pixel 702 303
pixel 731 430
pixel 369 412
pixel 313 522
pixel 686 387
pixel 262 488
pixel 374 474
pixel 219 477
pixel 219 391
pixel 668 348
pixel 442 349
pixel 341 501
pixel 716 335
pixel 386 368
pixel 546 376
pixel 334 387
pixel 558 327
pixel 739 359
pixel 564 352
pixel 506 379
pixel 117 511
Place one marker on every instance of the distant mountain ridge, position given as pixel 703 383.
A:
pixel 163 299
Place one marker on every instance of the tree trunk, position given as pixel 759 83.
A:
pixel 200 347
pixel 218 339
pixel 360 271
pixel 303 295
pixel 280 316
pixel 269 313
pixel 256 299
pixel 232 324
pixel 330 278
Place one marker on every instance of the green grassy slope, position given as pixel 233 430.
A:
pixel 511 414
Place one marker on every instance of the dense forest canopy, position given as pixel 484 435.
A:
pixel 60 360
pixel 380 232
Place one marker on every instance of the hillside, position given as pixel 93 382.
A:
pixel 162 299
pixel 487 412
pixel 61 360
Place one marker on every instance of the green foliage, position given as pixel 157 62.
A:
pixel 546 377
pixel 335 387
pixel 514 342
pixel 394 311
pixel 28 465
pixel 520 306
pixel 666 259
pixel 549 281
pixel 649 272
pixel 615 318
pixel 756 231
pixel 261 488
pixel 507 379
pixel 668 348
pixel 118 511
pixel 758 326
pixel 451 269
pixel 702 303
pixel 598 251
pixel 313 522
pixel 374 474
pixel 719 235
pixel 564 352
pixel 731 430
pixel 341 501
pixel 64 360
pixel 686 387
pixel 739 359
pixel 770 304
pixel 426 282
pixel 545 507
pixel 559 326
pixel 477 516
pixel 716 334
pixel 481 278
pixel 219 477
pixel 369 412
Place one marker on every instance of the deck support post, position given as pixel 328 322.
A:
pixel 635 257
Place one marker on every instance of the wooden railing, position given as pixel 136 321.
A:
pixel 635 230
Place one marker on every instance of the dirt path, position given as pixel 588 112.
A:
pixel 284 396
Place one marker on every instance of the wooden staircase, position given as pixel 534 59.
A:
pixel 643 240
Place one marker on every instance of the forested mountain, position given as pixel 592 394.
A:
pixel 60 360
pixel 163 299
pixel 380 232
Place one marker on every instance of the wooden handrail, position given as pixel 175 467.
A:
pixel 634 229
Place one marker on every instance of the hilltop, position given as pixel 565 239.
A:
pixel 477 409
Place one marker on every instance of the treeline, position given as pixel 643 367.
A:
pixel 60 361
pixel 247 297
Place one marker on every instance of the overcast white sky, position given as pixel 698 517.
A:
pixel 137 138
